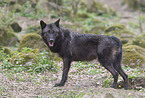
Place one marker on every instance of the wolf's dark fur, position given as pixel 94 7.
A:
pixel 84 47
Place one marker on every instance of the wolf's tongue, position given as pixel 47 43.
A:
pixel 51 44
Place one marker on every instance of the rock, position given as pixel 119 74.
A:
pixel 21 2
pixel 32 2
pixel 12 2
pixel 33 41
pixel 73 27
pixel 98 29
pixel 132 4
pixel 7 37
pixel 133 56
pixel 15 7
pixel 119 31
pixel 108 95
pixel 136 4
pixel 18 5
pixel 114 28
pixel 64 12
pixel 5 49
pixel 23 58
pixel 135 82
pixel 139 40
pixel 86 96
pixel 96 7
pixel 83 15
pixel 53 6
pixel 44 4
pixel 16 27
pixel 58 2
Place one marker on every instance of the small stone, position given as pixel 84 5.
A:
pixel 108 95
pixel 16 27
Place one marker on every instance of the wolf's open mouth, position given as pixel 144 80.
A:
pixel 51 43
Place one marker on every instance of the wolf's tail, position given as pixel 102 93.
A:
pixel 119 43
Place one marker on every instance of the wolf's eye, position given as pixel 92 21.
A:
pixel 54 32
pixel 45 35
pixel 48 31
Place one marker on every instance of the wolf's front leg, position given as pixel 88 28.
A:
pixel 66 67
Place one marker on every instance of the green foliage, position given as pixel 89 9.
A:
pixel 43 64
pixel 107 82
pixel 80 65
pixel 3 55
pixel 34 13
pixel 6 17
pixel 33 29
pixel 134 72
pixel 5 49
pixel 83 15
pixel 24 59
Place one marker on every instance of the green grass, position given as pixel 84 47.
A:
pixel 135 72
pixel 6 17
pixel 44 64
pixel 34 13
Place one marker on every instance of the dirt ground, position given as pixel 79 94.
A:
pixel 79 85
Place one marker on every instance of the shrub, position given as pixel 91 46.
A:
pixel 29 60
pixel 133 56
pixel 33 41
pixel 7 37
pixel 5 49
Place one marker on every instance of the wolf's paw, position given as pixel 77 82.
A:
pixel 113 86
pixel 126 87
pixel 58 84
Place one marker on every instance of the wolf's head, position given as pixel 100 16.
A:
pixel 50 32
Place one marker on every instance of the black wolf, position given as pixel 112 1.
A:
pixel 73 46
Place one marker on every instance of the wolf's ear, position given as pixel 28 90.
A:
pixel 57 23
pixel 43 24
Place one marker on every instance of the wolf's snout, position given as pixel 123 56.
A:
pixel 51 40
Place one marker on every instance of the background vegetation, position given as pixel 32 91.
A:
pixel 29 69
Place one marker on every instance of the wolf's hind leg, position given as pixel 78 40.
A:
pixel 109 66
pixel 119 69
